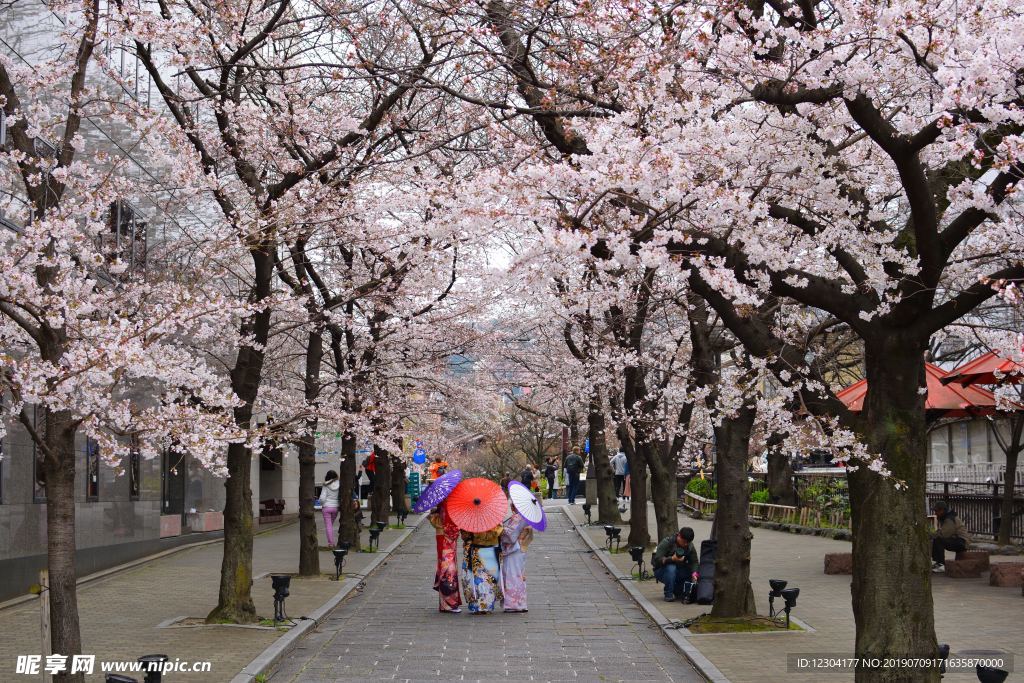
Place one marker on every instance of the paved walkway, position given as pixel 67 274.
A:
pixel 969 614
pixel 581 627
pixel 121 613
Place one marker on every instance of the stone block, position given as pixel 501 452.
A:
pixel 963 569
pixel 839 563
pixel 980 556
pixel 1007 574
pixel 170 525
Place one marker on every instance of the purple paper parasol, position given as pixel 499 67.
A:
pixel 438 490
pixel 527 505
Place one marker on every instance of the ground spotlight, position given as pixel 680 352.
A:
pixel 586 511
pixel 636 552
pixel 153 666
pixel 280 582
pixel 776 592
pixel 344 545
pixel 339 562
pixel 118 678
pixel 374 538
pixel 613 536
pixel 989 675
pixel 402 516
pixel 790 595
pixel 381 526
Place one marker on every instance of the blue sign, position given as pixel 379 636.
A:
pixel 586 446
pixel 419 456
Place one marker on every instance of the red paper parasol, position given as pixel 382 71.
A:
pixel 477 504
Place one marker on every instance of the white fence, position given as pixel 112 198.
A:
pixel 975 473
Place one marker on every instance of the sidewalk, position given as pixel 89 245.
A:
pixel 122 614
pixel 969 614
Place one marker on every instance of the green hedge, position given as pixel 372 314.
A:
pixel 703 488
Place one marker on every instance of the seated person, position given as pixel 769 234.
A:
pixel 675 564
pixel 951 535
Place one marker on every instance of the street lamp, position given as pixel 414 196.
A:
pixel 776 592
pixel 280 583
pixel 339 561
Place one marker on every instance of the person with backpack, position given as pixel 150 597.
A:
pixel 619 465
pixel 526 477
pixel 549 474
pixel 573 468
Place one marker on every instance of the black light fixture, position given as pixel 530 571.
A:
pixel 776 592
pixel 790 595
pixel 381 526
pixel 339 561
pixel 613 536
pixel 374 538
pixel 344 545
pixel 402 516
pixel 118 678
pixel 153 665
pixel 636 552
pixel 280 583
pixel 586 511
pixel 989 675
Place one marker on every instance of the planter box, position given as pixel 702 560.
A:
pixel 206 521
pixel 170 525
pixel 270 519
pixel 839 563
pixel 1007 574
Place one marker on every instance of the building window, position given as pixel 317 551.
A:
pixel 92 469
pixel 38 478
pixel 127 238
pixel 134 471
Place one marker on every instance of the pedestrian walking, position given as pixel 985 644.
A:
pixel 527 477
pixel 619 465
pixel 573 468
pixel 329 503
pixel 481 572
pixel 446 578
pixel 515 539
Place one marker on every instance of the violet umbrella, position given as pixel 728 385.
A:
pixel 439 489
pixel 527 505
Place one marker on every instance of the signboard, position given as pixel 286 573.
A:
pixel 586 446
pixel 419 456
pixel 413 487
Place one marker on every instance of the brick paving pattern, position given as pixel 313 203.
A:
pixel 581 627
pixel 969 614
pixel 120 612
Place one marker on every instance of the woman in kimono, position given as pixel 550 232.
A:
pixel 515 538
pixel 481 574
pixel 446 578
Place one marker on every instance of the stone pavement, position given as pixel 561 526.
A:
pixel 581 626
pixel 969 614
pixel 121 613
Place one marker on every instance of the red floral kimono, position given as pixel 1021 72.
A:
pixel 446 579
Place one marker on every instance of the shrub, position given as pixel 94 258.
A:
pixel 703 488
pixel 760 496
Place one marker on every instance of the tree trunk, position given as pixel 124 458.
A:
pixel 1006 505
pixel 607 510
pixel 234 603
pixel 664 492
pixel 734 596
pixel 398 485
pixel 379 507
pixel 309 552
pixel 892 595
pixel 780 476
pixel 59 471
pixel 1012 450
pixel 638 532
pixel 348 528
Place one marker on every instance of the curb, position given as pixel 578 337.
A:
pixel 701 663
pixel 283 645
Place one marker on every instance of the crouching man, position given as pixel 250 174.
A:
pixel 675 565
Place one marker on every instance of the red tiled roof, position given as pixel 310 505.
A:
pixel 951 400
